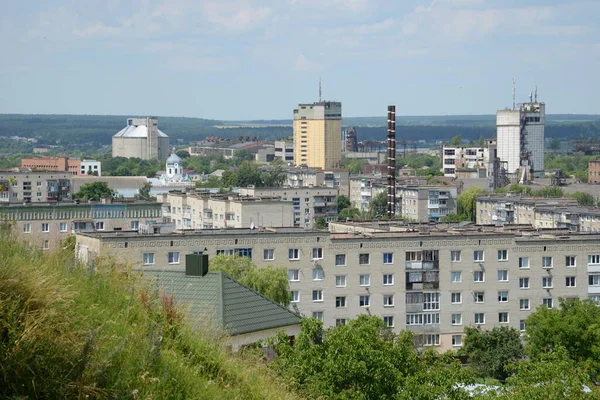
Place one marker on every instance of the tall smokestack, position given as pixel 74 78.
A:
pixel 391 166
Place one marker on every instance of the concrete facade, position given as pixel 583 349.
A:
pixel 141 138
pixel 433 283
pixel 459 158
pixel 35 187
pixel 311 177
pixel 318 134
pixel 364 189
pixel 594 172
pixel 426 203
pixel 284 150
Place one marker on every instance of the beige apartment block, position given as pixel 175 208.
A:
pixel 364 189
pixel 434 283
pixel 312 177
pixel 426 203
pixel 35 187
pixel 46 225
pixel 318 134
pixel 206 211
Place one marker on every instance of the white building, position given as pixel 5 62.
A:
pixel 90 167
pixel 458 158
pixel 514 126
pixel 285 151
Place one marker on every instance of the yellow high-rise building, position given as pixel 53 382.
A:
pixel 318 134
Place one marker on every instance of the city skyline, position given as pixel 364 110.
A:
pixel 246 59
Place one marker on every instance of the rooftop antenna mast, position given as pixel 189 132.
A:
pixel 320 89
pixel 536 93
pixel 514 83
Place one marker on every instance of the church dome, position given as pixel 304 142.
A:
pixel 173 159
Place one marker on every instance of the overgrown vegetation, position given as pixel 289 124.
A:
pixel 72 331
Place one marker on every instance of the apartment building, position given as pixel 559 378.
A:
pixel 284 150
pixel 426 203
pixel 309 203
pixel 311 177
pixel 214 211
pixel 457 159
pixel 364 189
pixel 63 164
pixel 594 171
pixel 45 225
pixel 434 283
pixel 35 187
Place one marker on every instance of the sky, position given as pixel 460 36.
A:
pixel 251 59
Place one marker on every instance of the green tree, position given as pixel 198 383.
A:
pixel 456 140
pixel 554 145
pixel 378 206
pixel 241 156
pixel 354 166
pixel 144 193
pixel 429 172
pixel 247 174
pixel 342 202
pixel 182 153
pixel 490 352
pixel 549 191
pixel 349 213
pixel 94 191
pixel 320 223
pixel 274 175
pixel 271 281
pixel 454 217
pixel 465 202
pixel 584 199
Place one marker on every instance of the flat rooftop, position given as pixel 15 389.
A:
pixel 206 232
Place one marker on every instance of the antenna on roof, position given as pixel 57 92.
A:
pixel 536 93
pixel 514 92
pixel 319 89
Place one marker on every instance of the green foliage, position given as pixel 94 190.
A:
pixel 584 199
pixel 418 161
pixel 121 166
pixel 248 174
pixel 354 165
pixel 554 144
pixel 349 213
pixel 94 191
pixel 144 193
pixel 456 140
pixel 572 164
pixel 182 153
pixel 378 206
pixel 321 223
pixel 515 188
pixel 454 217
pixel 274 175
pixel 549 191
pixel 270 281
pixel 490 352
pixel 69 331
pixel 465 202
pixel 342 202
pixel 429 172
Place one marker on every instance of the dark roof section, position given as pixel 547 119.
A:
pixel 234 307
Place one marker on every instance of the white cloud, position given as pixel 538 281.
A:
pixel 96 30
pixel 303 64
pixel 235 16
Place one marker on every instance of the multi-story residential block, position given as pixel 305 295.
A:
pixel 36 187
pixel 63 164
pixel 434 282
pixel 90 167
pixel 284 150
pixel 460 159
pixel 312 177
pixel 309 203
pixel 318 134
pixel 426 203
pixel 594 171
pixel 218 211
pixel 45 225
pixel 364 189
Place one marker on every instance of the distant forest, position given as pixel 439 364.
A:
pixel 95 130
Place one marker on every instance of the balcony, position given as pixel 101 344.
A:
pixel 444 196
pixel 414 308
pixel 366 193
pixel 319 203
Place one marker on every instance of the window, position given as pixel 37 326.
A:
pixel 294 254
pixel 524 304
pixel 456 297
pixel 570 281
pixel 27 228
pixel 503 275
pixel 173 257
pixel 340 281
pixel 340 302
pixel 546 262
pixel 594 259
pixel 135 225
pixel 318 315
pixel 479 297
pixel 414 319
pixel 318 274
pixel 46 245
pixel 295 295
pixel 365 280
pixel 45 227
pixel 388 300
pixel 340 260
pixel 340 321
pixel 63 227
pixel 148 258
pixel 414 256
pixel 522 325
pixel 432 340
pixel 364 259
pixel 268 254
pixel 523 262
pixel 595 298
pixel 455 255
pixel 478 256
pixel 570 261
pixel 100 225
pixel 524 283
pixel 480 318
pixel 456 319
pixel 293 275
pixel 388 258
pixel 503 317
pixel 431 318
pixel 364 301
pixel 455 277
pixel 431 301
pixel 456 340
pixel 388 279
pixel 503 296
pixel 594 279
pixel 478 276
pixel 502 255
pixel 317 253
pixel 547 282
pixel 317 295
pixel 547 302
pixel 388 321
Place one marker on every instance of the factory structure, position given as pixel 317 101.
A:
pixel 141 138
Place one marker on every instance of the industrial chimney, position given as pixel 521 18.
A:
pixel 391 162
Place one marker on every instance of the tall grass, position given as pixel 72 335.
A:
pixel 72 331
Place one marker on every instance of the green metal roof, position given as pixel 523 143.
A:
pixel 234 307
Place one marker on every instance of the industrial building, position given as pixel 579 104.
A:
pixel 141 138
pixel 63 164
pixel 318 134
